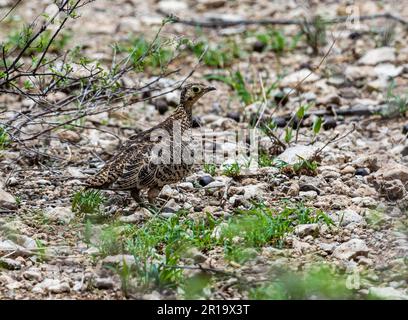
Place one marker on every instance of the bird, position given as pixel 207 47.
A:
pixel 148 160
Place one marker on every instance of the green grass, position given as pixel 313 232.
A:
pixel 261 225
pixel 264 159
pixel 4 138
pixel 156 56
pixel 88 202
pixel 18 38
pixel 315 32
pixel 218 55
pixel 158 247
pixel 319 282
pixel 302 167
pixel 210 168
pixel 276 41
pixel 232 170
pixel 397 104
pixel 162 245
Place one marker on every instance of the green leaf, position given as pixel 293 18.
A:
pixel 288 134
pixel 301 112
pixel 317 124
pixel 28 85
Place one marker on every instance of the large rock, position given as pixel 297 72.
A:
pixel 394 171
pixel 351 249
pixel 52 286
pixel 171 6
pixel 349 216
pixel 117 260
pixel 376 56
pixel 296 77
pixel 254 191
pixel 388 70
pixel 7 201
pixel 303 230
pixel 387 293
pixel 296 153
pixel 60 214
pixel 136 217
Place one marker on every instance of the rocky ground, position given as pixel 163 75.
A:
pixel 354 204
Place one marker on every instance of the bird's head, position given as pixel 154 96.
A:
pixel 190 93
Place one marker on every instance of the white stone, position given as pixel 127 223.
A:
pixel 297 153
pixel 303 230
pixel 60 214
pixel 375 56
pixel 171 6
pixel 351 249
pixel 350 216
pixel 387 293
pixel 388 70
pixel 117 260
pixel 51 285
pixel 296 77
pixel 254 191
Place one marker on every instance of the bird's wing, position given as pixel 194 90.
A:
pixel 109 173
pixel 137 169
pixel 131 165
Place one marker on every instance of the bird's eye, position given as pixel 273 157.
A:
pixel 196 89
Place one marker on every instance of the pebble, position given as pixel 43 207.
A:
pixel 361 172
pixel 348 170
pixel 103 283
pixel 351 249
pixel 10 264
pixel 205 180
pixel 294 154
pixel 349 216
pixel 297 76
pixel 60 214
pixel 32 275
pixel 308 194
pixel 387 293
pixel 304 230
pixel 7 201
pixel 329 123
pixel 117 260
pixel 378 55
pixel 52 286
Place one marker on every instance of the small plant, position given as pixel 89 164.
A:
pixel 397 104
pixel 87 232
pixel 264 159
pixel 4 138
pixel 261 225
pixel 302 167
pixel 276 41
pixel 157 248
pixel 41 250
pixel 232 170
pixel 386 36
pixel 88 201
pixel 157 56
pixel 237 83
pixel 319 282
pixel 220 55
pixel 210 168
pixel 315 32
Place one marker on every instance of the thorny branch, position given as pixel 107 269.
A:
pixel 215 23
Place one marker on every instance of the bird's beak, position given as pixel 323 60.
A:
pixel 211 89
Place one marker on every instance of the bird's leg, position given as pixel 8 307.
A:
pixel 152 194
pixel 135 195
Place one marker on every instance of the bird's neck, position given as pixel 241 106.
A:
pixel 184 112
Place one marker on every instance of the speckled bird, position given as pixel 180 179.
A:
pixel 135 166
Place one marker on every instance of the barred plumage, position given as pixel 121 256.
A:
pixel 135 167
